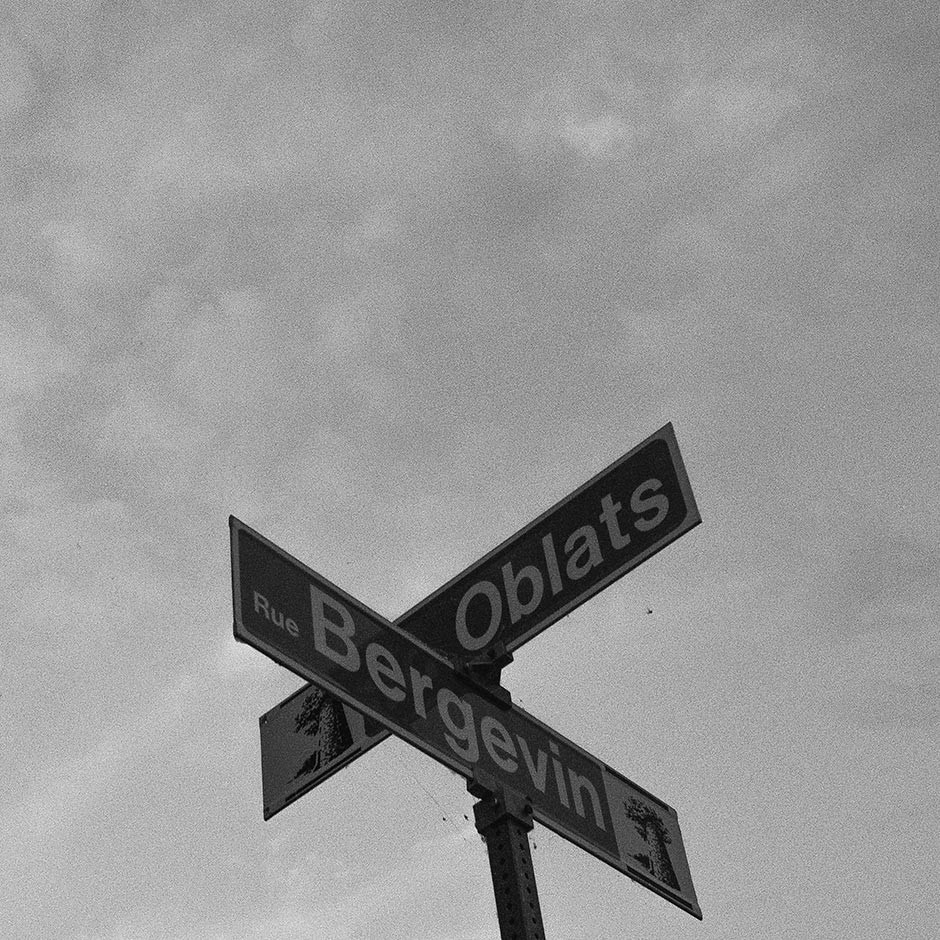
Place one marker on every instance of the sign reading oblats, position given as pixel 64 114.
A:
pixel 615 521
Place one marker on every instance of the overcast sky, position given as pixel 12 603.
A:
pixel 385 281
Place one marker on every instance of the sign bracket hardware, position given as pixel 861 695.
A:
pixel 484 672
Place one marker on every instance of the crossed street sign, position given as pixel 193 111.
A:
pixel 311 626
pixel 404 677
pixel 618 519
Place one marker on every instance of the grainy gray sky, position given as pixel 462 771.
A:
pixel 385 281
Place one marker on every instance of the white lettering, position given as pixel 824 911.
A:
pixel 578 568
pixel 467 640
pixel 383 667
pixel 551 562
pixel 511 583
pixel 495 736
pixel 559 775
pixel 334 637
pixel 609 516
pixel 579 783
pixel 323 628
pixel 462 738
pixel 537 771
pixel 640 505
pixel 420 683
pixel 262 606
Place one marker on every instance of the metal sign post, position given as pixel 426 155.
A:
pixel 504 819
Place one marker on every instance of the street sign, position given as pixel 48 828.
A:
pixel 302 621
pixel 614 522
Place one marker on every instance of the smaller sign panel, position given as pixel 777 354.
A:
pixel 306 739
pixel 312 627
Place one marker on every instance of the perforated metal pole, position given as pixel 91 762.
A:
pixel 504 819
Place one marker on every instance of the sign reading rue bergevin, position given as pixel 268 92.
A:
pixel 311 626
pixel 615 521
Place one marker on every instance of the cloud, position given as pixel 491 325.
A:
pixel 724 105
pixel 30 355
pixel 71 778
pixel 599 136
pixel 16 80
pixel 80 252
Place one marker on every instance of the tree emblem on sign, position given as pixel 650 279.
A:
pixel 322 718
pixel 649 824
